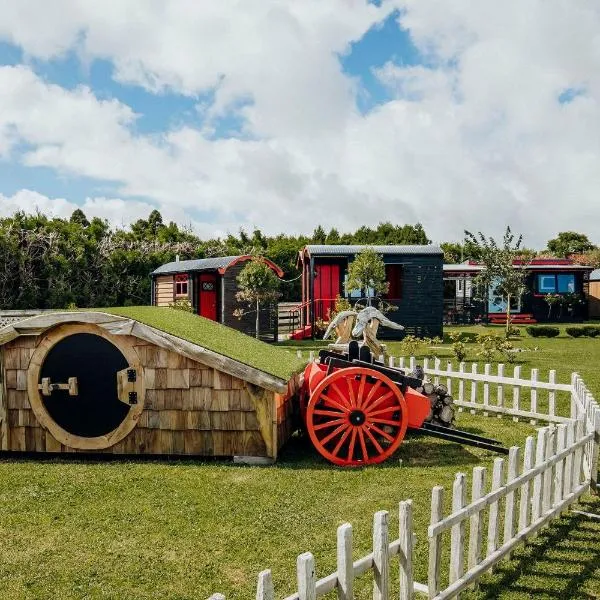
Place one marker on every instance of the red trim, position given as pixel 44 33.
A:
pixel 277 270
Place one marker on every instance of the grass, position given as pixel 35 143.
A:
pixel 216 337
pixel 183 530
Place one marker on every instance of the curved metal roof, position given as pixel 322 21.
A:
pixel 348 250
pixel 217 263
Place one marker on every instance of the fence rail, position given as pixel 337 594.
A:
pixel 526 492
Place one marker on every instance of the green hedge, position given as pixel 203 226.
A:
pixel 543 331
pixel 584 331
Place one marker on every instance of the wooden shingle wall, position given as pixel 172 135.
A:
pixel 164 293
pixel 189 409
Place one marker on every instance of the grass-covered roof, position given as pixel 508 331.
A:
pixel 215 337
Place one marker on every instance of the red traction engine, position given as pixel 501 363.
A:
pixel 357 413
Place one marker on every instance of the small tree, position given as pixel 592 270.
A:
pixel 258 284
pixel 367 274
pixel 499 272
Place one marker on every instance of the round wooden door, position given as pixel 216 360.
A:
pixel 86 386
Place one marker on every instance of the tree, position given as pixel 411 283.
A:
pixel 367 274
pixel 78 216
pixel 500 272
pixel 258 284
pixel 569 242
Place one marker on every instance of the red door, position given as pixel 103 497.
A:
pixel 326 289
pixel 208 296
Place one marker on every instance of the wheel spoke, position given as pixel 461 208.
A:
pixel 361 390
pixel 383 398
pixel 363 445
pixel 372 413
pixel 352 442
pixel 371 394
pixel 349 382
pixel 332 402
pixel 328 413
pixel 342 399
pixel 344 437
pixel 335 432
pixel 332 423
pixel 386 422
pixel 372 438
pixel 387 436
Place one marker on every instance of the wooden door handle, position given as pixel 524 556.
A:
pixel 48 387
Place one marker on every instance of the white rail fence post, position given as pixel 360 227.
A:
pixel 345 568
pixel 381 558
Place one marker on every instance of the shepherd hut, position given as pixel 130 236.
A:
pixel 210 285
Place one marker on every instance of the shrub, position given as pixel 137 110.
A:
pixel 486 346
pixel 543 331
pixel 460 351
pixel 585 331
pixel 591 330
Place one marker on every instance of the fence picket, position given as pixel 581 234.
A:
pixel 448 379
pixel 509 508
pixel 381 556
pixel 540 453
pixel 264 588
pixel 595 452
pixel 559 469
pixel 568 482
pixel 217 597
pixel 412 363
pixel 457 534
pixel 475 528
pixel 391 362
pixel 500 394
pixel 401 363
pixel 534 394
pixel 525 489
pixel 406 549
pixel 437 363
pixel 461 383
pixel 345 568
pixel 578 457
pixel 486 387
pixel 547 476
pixel 493 524
pixel 435 542
pixel 307 584
pixel 516 392
pixel 552 394
pixel 474 384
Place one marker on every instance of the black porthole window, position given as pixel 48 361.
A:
pixel 96 409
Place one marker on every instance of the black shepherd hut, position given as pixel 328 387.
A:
pixel 414 274
pixel 210 285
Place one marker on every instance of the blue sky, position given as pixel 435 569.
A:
pixel 279 115
pixel 167 110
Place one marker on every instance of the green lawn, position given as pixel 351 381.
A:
pixel 81 529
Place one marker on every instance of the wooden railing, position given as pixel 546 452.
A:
pixel 533 487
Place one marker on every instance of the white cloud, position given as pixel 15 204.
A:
pixel 475 140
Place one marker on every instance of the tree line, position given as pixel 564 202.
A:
pixel 55 263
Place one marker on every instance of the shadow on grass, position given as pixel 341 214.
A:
pixel 415 451
pixel 562 562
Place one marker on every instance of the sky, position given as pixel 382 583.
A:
pixel 282 115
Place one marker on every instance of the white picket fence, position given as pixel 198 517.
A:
pixel 535 486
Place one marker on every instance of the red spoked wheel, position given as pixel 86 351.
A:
pixel 356 416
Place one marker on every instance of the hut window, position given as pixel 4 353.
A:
pixel 550 283
pixel 181 285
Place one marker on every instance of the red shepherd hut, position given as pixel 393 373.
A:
pixel 210 285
